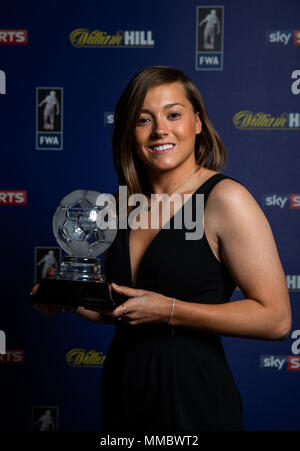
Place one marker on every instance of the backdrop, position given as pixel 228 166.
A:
pixel 63 66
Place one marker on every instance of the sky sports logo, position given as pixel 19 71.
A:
pixel 283 37
pixel 13 37
pixel 280 362
pixel 12 356
pixel 282 200
pixel 13 197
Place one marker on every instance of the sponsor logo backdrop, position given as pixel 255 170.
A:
pixel 62 70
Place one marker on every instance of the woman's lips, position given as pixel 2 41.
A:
pixel 161 148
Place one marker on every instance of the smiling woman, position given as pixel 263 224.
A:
pixel 132 110
pixel 166 369
pixel 166 130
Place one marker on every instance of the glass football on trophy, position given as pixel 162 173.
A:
pixel 84 225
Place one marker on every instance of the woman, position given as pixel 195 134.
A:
pixel 166 369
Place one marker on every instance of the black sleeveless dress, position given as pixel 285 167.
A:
pixel 161 378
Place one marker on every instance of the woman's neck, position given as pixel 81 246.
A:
pixel 174 180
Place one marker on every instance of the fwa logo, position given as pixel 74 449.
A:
pixel 44 418
pixel 49 118
pixel 209 38
pixel 2 82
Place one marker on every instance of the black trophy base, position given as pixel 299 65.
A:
pixel 74 294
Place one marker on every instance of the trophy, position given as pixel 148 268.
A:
pixel 84 225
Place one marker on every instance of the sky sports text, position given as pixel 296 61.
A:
pixel 283 37
pixel 13 37
pixel 13 197
pixel 12 357
pixel 280 362
pixel 282 200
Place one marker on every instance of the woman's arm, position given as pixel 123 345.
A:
pixel 249 251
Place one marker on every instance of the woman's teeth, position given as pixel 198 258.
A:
pixel 162 148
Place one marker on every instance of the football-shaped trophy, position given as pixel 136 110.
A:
pixel 84 225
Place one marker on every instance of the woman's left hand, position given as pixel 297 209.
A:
pixel 143 306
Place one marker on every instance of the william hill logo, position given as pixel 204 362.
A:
pixel 249 120
pixel 80 358
pixel 82 37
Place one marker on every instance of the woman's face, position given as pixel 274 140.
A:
pixel 166 129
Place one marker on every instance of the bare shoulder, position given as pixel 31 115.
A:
pixel 229 195
pixel 231 206
pixel 227 191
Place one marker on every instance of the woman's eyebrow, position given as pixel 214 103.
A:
pixel 169 105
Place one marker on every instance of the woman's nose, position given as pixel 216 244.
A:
pixel 160 128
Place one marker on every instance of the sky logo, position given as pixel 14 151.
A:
pixel 279 37
pixel 283 37
pixel 280 362
pixel 273 362
pixel 276 200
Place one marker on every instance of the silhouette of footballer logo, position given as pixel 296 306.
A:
pixel 212 25
pixel 51 109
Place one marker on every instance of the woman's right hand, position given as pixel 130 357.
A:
pixel 48 310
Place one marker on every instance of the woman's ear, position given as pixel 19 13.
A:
pixel 198 124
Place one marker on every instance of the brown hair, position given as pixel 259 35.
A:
pixel 209 148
